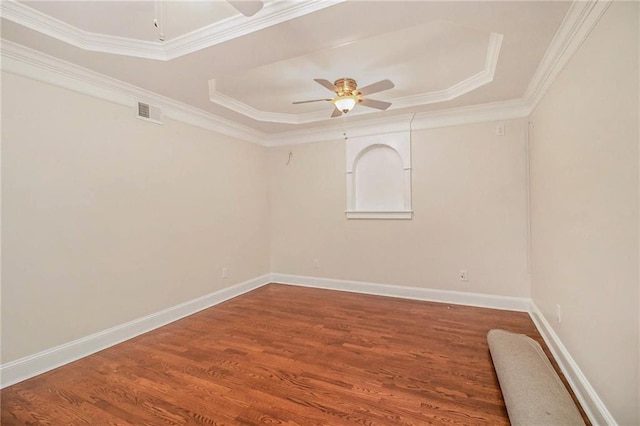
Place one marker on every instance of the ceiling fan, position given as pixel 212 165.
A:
pixel 348 96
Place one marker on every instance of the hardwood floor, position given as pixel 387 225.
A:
pixel 286 355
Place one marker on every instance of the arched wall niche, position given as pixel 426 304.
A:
pixel 379 176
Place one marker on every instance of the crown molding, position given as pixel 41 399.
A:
pixel 35 20
pixel 248 111
pixel 266 116
pixel 576 26
pixel 38 66
pixel 506 110
pixel 578 23
pixel 30 63
pixel 465 86
pixel 219 32
pixel 271 14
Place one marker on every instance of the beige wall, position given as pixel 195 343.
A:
pixel 107 218
pixel 469 198
pixel 584 199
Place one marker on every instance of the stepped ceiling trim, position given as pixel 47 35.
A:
pixel 577 25
pixel 465 86
pixel 30 63
pixel 219 32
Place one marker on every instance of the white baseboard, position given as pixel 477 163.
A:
pixel 589 399
pixel 445 296
pixel 32 365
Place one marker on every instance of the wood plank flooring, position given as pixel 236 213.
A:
pixel 286 355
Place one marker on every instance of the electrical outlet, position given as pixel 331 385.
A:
pixel 225 273
pixel 558 313
pixel 462 275
pixel 316 264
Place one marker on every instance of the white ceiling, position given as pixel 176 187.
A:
pixel 134 19
pixel 441 55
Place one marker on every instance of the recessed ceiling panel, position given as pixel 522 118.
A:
pixel 247 71
pixel 421 60
pixel 134 19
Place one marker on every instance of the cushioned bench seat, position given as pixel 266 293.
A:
pixel 532 390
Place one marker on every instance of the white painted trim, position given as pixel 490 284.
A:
pixel 581 18
pixel 398 142
pixel 256 114
pixel 592 404
pixel 30 366
pixel 359 214
pixel 33 19
pixel 479 79
pixel 589 399
pixel 30 63
pixel 493 301
pixel 271 14
pixel 38 66
pixel 496 111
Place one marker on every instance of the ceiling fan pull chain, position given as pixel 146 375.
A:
pixel 159 24
pixel 344 127
pixel 155 13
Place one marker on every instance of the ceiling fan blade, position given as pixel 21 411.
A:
pixel 314 100
pixel 336 113
pixel 325 83
pixel 247 7
pixel 377 87
pixel 372 103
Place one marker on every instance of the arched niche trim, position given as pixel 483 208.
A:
pixel 379 176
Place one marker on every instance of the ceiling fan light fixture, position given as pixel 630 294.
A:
pixel 347 96
pixel 345 103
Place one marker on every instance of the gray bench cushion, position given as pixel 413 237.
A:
pixel 532 390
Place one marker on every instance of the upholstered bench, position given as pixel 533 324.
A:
pixel 532 390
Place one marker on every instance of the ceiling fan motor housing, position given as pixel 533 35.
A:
pixel 346 87
pixel 346 90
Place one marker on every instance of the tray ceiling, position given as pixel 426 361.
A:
pixel 248 70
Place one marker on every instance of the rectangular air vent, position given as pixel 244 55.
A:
pixel 149 113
